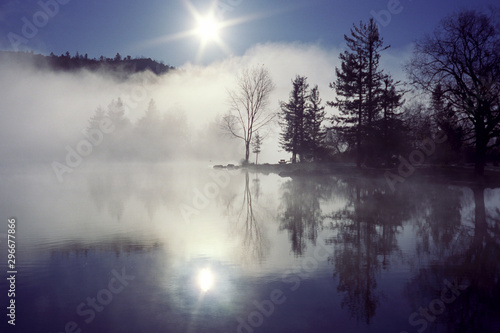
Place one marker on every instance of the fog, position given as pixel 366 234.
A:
pixel 44 112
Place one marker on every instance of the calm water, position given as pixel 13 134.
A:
pixel 141 248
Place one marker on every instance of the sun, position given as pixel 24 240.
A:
pixel 208 28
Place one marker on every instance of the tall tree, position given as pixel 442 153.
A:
pixel 358 84
pixel 292 119
pixel 248 105
pixel 463 56
pixel 314 116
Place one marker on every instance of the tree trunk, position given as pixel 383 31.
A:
pixel 480 159
pixel 481 144
pixel 247 151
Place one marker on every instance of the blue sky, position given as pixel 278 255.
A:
pixel 105 27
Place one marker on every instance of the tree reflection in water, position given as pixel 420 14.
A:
pixel 365 238
pixel 474 261
pixel 300 213
pixel 248 223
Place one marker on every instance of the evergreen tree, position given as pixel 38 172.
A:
pixel 314 116
pixel 149 124
pixel 116 113
pixel 292 119
pixel 257 143
pixel 358 85
pixel 95 120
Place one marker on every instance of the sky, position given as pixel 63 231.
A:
pixel 156 28
pixel 47 112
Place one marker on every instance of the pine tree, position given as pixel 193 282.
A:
pixel 116 113
pixel 315 114
pixel 358 85
pixel 96 119
pixel 257 143
pixel 292 119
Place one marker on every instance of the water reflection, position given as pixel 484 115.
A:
pixel 365 238
pixel 392 254
pixel 249 224
pixel 300 213
pixel 471 266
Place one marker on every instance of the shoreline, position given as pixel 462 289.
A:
pixel 443 174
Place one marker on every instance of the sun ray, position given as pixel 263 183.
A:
pixel 215 26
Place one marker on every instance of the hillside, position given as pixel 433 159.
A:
pixel 66 62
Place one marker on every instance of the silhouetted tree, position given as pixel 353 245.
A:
pixel 292 118
pixel 314 130
pixel 463 56
pixel 358 84
pixel 389 136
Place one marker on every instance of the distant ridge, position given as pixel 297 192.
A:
pixel 66 62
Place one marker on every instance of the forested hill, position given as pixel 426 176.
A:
pixel 65 62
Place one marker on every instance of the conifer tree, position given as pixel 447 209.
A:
pixel 358 85
pixel 257 143
pixel 292 119
pixel 315 114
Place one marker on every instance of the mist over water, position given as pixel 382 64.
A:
pixel 361 257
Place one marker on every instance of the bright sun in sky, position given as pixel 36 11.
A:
pixel 208 28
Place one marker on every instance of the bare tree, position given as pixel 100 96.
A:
pixel 248 105
pixel 463 57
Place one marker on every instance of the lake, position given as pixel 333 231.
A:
pixel 130 247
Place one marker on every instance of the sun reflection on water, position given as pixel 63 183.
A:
pixel 205 280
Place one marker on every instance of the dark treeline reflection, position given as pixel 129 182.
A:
pixel 448 243
pixel 470 263
pixel 365 239
pixel 300 212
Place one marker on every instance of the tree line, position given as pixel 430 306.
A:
pixel 120 65
pixel 454 72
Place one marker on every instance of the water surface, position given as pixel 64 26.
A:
pixel 185 248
